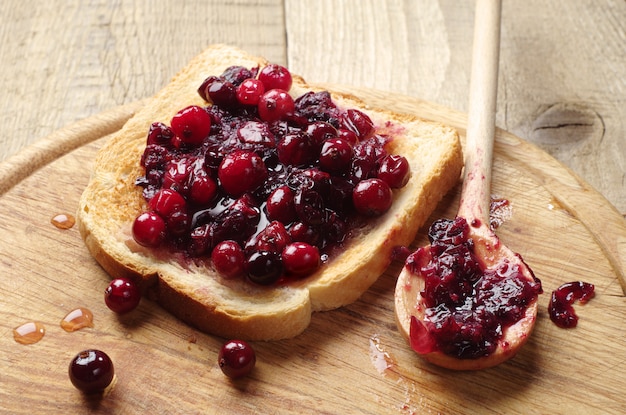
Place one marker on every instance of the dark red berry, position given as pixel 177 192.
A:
pixel 228 259
pixel 275 105
pixel 358 122
pixel 395 170
pixel 222 93
pixel 241 171
pixel 280 205
pixel 236 358
pixel 264 268
pixel 275 76
pixel 349 136
pixel 336 155
pixel 297 149
pixel 203 188
pixel 372 197
pixel 160 134
pixel 149 229
pixel 320 131
pixel 122 295
pixel 250 91
pixel 192 125
pixel 167 201
pixel 300 258
pixel 91 371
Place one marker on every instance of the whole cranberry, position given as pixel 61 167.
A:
pixel 222 93
pixel 122 295
pixel 336 155
pixel 202 189
pixel 250 91
pixel 228 259
pixel 300 232
pixel 149 229
pixel 395 170
pixel 279 205
pixel 372 197
pixel 236 358
pixel 167 201
pixel 275 105
pixel 320 131
pixel 192 125
pixel 275 76
pixel 241 171
pixel 264 267
pixel 300 258
pixel 91 371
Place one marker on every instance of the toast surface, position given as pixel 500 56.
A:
pixel 194 292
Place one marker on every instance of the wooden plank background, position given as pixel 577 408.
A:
pixel 562 82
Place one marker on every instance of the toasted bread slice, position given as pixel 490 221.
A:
pixel 237 308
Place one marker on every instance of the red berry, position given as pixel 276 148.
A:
pixel 160 134
pixel 273 238
pixel 336 155
pixel 241 171
pixel 192 125
pixel 167 201
pixel 275 76
pixel 122 295
pixel 222 93
pixel 349 136
pixel 297 149
pixel 236 358
pixel 394 170
pixel 203 188
pixel 280 205
pixel 320 131
pixel 372 197
pixel 228 259
pixel 250 91
pixel 358 122
pixel 149 229
pixel 91 371
pixel 275 105
pixel 300 258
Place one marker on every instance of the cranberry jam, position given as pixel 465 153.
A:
pixel 467 306
pixel 262 184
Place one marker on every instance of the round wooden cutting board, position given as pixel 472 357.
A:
pixel 350 360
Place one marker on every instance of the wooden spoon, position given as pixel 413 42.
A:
pixel 474 204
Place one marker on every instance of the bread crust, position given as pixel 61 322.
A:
pixel 193 291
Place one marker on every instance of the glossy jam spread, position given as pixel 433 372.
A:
pixel 264 185
pixel 467 307
pixel 560 308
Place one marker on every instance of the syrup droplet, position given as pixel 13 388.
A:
pixel 29 333
pixel 379 357
pixel 63 221
pixel 77 319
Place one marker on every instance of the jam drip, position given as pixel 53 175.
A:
pixel 560 308
pixel 467 306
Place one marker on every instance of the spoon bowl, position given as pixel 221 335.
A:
pixel 466 301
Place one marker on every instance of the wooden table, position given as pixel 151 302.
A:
pixel 562 79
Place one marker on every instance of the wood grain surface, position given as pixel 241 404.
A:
pixel 351 360
pixel 562 72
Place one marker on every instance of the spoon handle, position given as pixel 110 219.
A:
pixel 476 193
